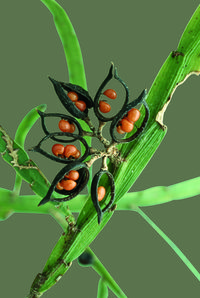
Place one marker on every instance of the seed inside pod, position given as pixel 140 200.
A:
pixel 73 96
pixel 110 93
pixel 58 149
pixel 101 191
pixel 104 107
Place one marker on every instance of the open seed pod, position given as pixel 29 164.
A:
pixel 72 138
pixel 72 120
pixel 124 111
pixel 81 182
pixel 70 106
pixel 112 74
pixel 94 194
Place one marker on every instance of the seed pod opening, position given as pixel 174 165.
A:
pixel 71 120
pixel 115 123
pixel 70 106
pixel 81 182
pixel 112 74
pixel 94 193
pixel 62 159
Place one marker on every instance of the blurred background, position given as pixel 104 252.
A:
pixel 137 36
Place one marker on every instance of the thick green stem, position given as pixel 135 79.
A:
pixel 11 203
pixel 101 270
pixel 171 244
pixel 160 194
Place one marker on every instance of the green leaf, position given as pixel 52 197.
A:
pixel 13 154
pixel 70 43
pixel 170 243
pixel 26 124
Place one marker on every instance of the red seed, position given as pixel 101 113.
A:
pixel 77 155
pixel 72 175
pixel 110 93
pixel 119 130
pixel 72 127
pixel 58 149
pixel 64 125
pixel 59 186
pixel 126 125
pixel 68 184
pixel 70 151
pixel 104 107
pixel 133 115
pixel 73 96
pixel 81 105
pixel 101 191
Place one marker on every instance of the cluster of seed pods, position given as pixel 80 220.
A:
pixel 73 177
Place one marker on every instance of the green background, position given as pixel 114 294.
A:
pixel 137 36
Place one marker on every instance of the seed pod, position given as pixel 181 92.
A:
pixel 124 111
pixel 86 259
pixel 111 74
pixel 70 106
pixel 59 116
pixel 94 193
pixel 81 183
pixel 38 148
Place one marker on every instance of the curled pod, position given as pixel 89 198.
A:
pixel 111 74
pixel 38 148
pixel 124 111
pixel 70 106
pixel 80 183
pixel 72 120
pixel 94 193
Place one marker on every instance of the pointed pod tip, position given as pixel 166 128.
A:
pixel 53 81
pixel 43 201
pixel 100 215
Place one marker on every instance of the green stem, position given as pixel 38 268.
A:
pixel 26 124
pixel 160 194
pixel 11 203
pixel 102 289
pixel 70 43
pixel 171 244
pixel 130 201
pixel 101 270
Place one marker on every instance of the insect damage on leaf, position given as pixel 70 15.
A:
pixel 13 152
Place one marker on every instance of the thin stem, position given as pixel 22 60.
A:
pixel 171 244
pixel 101 270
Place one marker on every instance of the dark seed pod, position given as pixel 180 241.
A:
pixel 38 148
pixel 81 183
pixel 94 194
pixel 61 116
pixel 111 74
pixel 124 111
pixel 83 95
pixel 85 259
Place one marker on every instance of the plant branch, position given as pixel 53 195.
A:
pixel 101 270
